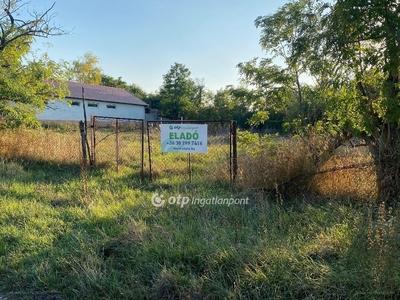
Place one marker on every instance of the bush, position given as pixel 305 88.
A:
pixel 308 164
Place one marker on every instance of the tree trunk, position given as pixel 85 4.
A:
pixel 386 153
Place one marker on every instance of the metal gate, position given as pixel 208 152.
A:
pixel 118 141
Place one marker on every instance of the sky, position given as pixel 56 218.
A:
pixel 139 40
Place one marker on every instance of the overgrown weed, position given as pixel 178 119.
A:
pixel 56 244
pixel 309 166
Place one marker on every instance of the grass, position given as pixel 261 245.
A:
pixel 60 240
pixel 41 145
pixel 307 166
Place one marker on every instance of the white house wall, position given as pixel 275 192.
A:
pixel 61 111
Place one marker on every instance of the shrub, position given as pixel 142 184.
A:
pixel 310 164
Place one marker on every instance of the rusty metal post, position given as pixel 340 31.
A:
pixel 230 152
pixel 149 148
pixel 116 144
pixel 142 153
pixel 83 139
pixel 93 122
pixel 234 150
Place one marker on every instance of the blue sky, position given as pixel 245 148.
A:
pixel 139 40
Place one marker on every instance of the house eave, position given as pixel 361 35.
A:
pixel 104 101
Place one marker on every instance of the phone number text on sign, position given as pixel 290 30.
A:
pixel 186 138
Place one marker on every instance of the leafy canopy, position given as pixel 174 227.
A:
pixel 177 92
pixel 25 86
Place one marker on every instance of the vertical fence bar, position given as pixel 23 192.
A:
pixel 230 152
pixel 149 148
pixel 142 152
pixel 116 144
pixel 234 150
pixel 83 141
pixel 93 122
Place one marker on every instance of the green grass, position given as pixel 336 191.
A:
pixel 59 242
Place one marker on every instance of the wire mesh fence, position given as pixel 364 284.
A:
pixel 55 143
pixel 129 143
pixel 117 142
pixel 218 164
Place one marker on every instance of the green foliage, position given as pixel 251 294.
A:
pixel 154 100
pixel 113 82
pixel 18 115
pixel 177 93
pixel 26 88
pixel 287 36
pixel 137 91
pixel 86 70
pixel 270 85
pixel 259 118
pixel 119 83
pixel 351 49
pixel 229 104
pixel 364 39
pixel 255 144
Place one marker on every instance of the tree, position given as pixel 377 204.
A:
pixel 364 38
pixel 112 82
pixel 14 29
pixel 119 83
pixel 271 89
pixel 25 87
pixel 154 101
pixel 286 36
pixel 352 49
pixel 233 104
pixel 200 101
pixel 177 93
pixel 137 91
pixel 86 70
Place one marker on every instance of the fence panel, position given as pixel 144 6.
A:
pixel 218 164
pixel 56 142
pixel 117 142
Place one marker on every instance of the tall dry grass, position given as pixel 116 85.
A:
pixel 272 163
pixel 307 165
pixel 41 145
pixel 61 143
pixel 348 173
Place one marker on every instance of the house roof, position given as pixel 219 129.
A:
pixel 102 93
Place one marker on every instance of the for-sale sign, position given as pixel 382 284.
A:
pixel 186 138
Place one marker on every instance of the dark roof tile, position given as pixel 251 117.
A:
pixel 103 93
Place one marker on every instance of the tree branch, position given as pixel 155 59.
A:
pixel 12 29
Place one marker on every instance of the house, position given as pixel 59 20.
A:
pixel 99 101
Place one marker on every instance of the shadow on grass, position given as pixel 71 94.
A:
pixel 117 248
pixel 302 250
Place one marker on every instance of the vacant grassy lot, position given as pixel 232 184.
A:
pixel 71 233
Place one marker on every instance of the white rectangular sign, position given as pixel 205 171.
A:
pixel 186 138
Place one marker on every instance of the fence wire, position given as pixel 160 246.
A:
pixel 130 143
pixel 117 142
pixel 218 164
pixel 55 143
